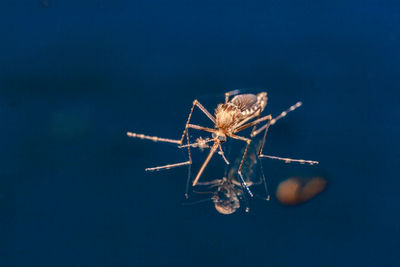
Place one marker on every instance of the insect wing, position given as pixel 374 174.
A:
pixel 244 102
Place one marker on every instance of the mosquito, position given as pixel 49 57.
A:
pixel 235 115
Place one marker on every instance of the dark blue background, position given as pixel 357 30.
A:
pixel 76 75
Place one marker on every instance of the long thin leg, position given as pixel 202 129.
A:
pixel 263 140
pixel 253 123
pixel 221 152
pixel 212 151
pixel 189 166
pixel 257 159
pixel 159 139
pixel 289 160
pixel 238 137
pixel 273 121
pixel 169 166
pixel 188 181
pixel 266 127
pixel 205 111
pixel 179 142
pixel 174 141
pixel 215 182
pixel 201 128
pixel 248 141
pixel 153 138
pixel 257 114
pixel 264 181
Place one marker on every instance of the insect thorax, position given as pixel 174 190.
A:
pixel 226 115
pixel 239 108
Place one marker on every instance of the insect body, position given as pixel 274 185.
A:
pixel 232 116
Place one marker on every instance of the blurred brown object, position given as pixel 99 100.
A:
pixel 296 190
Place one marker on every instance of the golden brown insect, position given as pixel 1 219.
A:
pixel 232 116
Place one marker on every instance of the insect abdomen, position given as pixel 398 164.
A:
pixel 252 103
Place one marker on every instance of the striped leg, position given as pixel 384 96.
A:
pixel 266 127
pixel 174 141
pixel 178 142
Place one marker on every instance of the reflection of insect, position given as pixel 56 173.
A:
pixel 230 118
pixel 229 192
pixel 227 196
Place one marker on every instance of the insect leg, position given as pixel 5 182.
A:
pixel 169 166
pixel 221 152
pixel 188 181
pixel 178 142
pixel 212 183
pixel 205 111
pixel 273 121
pixel 212 151
pixel 266 127
pixel 186 130
pixel 264 180
pixel 257 159
pixel 253 123
pixel 201 128
pixel 153 138
pixel 289 160
pixel 187 125
pixel 248 141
